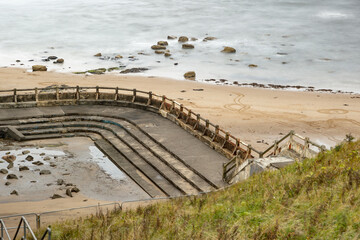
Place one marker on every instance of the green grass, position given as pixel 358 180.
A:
pixel 316 199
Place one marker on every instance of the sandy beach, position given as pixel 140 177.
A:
pixel 257 116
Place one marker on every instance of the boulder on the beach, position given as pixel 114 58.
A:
pixel 25 152
pixel 187 46
pixel 52 57
pixel 133 70
pixel 209 39
pixel 7 183
pixel 159 51
pixel 190 75
pixel 4 171
pixel 9 158
pixel 171 37
pixel 162 43
pixel 38 163
pixel 29 158
pixel 253 66
pixel 55 196
pixel 75 189
pixel 53 164
pixel 183 39
pixel 60 181
pixel 23 168
pixel 167 54
pixel 118 56
pixel 98 55
pixel 45 172
pixel 228 50
pixel 97 71
pixel 11 165
pixel 158 47
pixel 14 193
pixel 68 192
pixel 11 176
pixel 60 60
pixel 40 68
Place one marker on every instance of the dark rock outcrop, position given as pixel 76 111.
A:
pixel 40 68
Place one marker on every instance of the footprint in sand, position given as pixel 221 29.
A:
pixel 333 111
pixel 237 106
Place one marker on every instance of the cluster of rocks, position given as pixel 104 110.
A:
pixel 10 160
pixel 68 187
pixel 43 68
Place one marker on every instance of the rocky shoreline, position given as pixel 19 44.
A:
pixel 162 47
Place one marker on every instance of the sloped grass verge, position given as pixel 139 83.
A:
pixel 315 199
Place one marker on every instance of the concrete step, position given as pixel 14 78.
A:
pixel 128 168
pixel 157 177
pixel 191 175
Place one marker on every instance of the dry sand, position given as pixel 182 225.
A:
pixel 256 116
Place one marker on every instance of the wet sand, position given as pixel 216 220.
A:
pixel 256 116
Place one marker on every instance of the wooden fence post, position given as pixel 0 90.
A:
pixel 149 102
pixel 36 95
pixel 15 96
pixel 77 93
pixel 97 93
pixel 207 124
pixel 116 97
pixel 215 133
pixel 134 95
pixel 57 93
pixel 188 116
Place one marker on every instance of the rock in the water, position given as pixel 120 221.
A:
pixel 11 165
pixel 253 66
pixel 9 158
pixel 14 193
pixel 45 172
pixel 229 50
pixel 7 183
pixel 4 171
pixel 60 181
pixel 29 158
pixel 183 39
pixel 159 51
pixel 162 43
pixel 167 54
pixel 209 39
pixel 40 68
pixel 38 163
pixel 134 70
pixel 69 184
pixel 190 75
pixel 68 192
pixel 55 196
pixel 97 71
pixel 118 56
pixel 98 55
pixel 158 47
pixel 52 57
pixel 46 158
pixel 187 46
pixel 60 60
pixel 25 152
pixel 11 176
pixel 171 37
pixel 53 164
pixel 23 168
pixel 75 189
pixel 113 69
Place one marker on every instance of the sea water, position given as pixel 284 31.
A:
pixel 293 42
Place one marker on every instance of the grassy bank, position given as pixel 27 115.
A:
pixel 318 198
